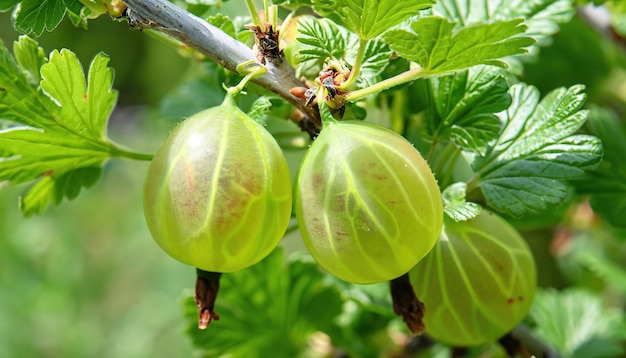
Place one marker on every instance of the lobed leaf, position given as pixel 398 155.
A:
pixel 610 272
pixel 541 16
pixel 370 18
pixel 607 183
pixel 526 169
pixel 465 104
pixel 58 134
pixel 586 326
pixel 454 204
pixel 223 23
pixel 259 109
pixel 35 16
pixel 435 45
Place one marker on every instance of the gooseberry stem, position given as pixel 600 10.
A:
pixel 255 15
pixel 207 286
pixel 404 77
pixel 406 304
pixel 243 68
pixel 117 151
pixel 354 73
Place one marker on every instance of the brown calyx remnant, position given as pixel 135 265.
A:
pixel 267 48
pixel 207 285
pixel 406 304
pixel 331 77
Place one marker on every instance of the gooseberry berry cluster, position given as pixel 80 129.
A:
pixel 218 196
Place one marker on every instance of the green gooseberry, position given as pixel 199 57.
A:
pixel 218 192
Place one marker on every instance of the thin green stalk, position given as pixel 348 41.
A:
pixel 404 77
pixel 274 16
pixel 266 7
pixel 250 73
pixel 397 111
pixel 443 162
pixel 255 15
pixel 356 69
pixel 119 152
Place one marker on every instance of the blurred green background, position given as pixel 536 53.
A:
pixel 85 279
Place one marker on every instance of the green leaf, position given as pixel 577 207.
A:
pixel 53 190
pixel 35 16
pixel 434 44
pixel 607 183
pixel 525 171
pixel 85 109
pixel 59 131
pixel 454 204
pixel 613 274
pixel 268 310
pixel 30 57
pixel 321 40
pixel 223 23
pixel 465 104
pixel 578 324
pixel 541 16
pixel 370 18
pixel 7 4
pixel 260 108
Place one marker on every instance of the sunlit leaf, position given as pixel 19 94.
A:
pixel 370 18
pixel 454 204
pixel 465 105
pixel 537 151
pixel 321 39
pixel 59 125
pixel 435 45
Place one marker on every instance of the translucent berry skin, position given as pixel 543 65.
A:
pixel 218 192
pixel 477 283
pixel 367 204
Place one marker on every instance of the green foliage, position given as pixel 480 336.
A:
pixel 454 204
pixel 259 109
pixel 540 16
pixel 322 40
pixel 607 183
pixel 59 135
pixel 36 16
pixel 369 18
pixel 269 309
pixel 434 44
pixel 585 326
pixel 7 4
pixel 524 172
pixel 611 273
pixel 223 23
pixel 462 107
